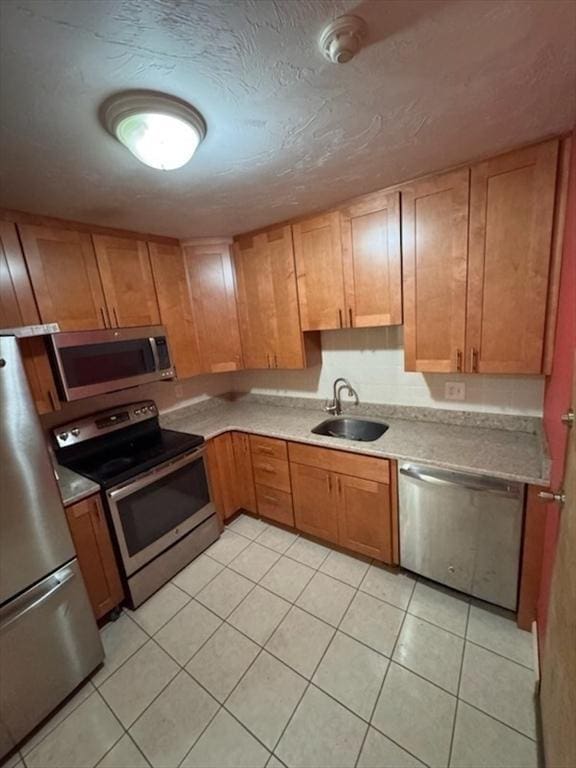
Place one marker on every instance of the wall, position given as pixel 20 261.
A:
pixel 373 360
pixel 167 394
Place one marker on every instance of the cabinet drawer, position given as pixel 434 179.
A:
pixel 272 472
pixel 275 505
pixel 268 446
pixel 365 467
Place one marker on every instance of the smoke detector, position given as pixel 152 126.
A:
pixel 341 40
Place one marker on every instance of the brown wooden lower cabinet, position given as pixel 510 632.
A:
pixel 229 464
pixel 245 490
pixel 96 558
pixel 314 502
pixel 337 496
pixel 275 505
pixel 353 510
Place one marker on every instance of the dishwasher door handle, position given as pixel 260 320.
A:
pixel 500 488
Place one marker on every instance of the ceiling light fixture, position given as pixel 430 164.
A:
pixel 161 131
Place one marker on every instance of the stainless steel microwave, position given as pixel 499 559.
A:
pixel 88 363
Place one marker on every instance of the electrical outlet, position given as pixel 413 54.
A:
pixel 455 390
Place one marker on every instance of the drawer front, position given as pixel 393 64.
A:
pixel 268 447
pixel 343 462
pixel 273 473
pixel 275 505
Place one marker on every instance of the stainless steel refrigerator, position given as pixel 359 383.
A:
pixel 49 641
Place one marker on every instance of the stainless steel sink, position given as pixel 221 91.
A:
pixel 361 430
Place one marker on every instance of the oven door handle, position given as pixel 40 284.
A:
pixel 156 473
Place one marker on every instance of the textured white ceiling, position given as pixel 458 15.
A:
pixel 439 82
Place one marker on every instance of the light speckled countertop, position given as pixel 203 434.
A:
pixel 504 453
pixel 74 487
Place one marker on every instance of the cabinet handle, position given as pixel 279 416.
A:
pixel 264 449
pixel 267 468
pixel 458 359
pixel 350 316
pixel 275 361
pixel 271 499
pixel 115 317
pixel 105 324
pixel 338 486
pixel 267 360
pixel 340 318
pixel 329 479
pixel 474 360
pixel 52 400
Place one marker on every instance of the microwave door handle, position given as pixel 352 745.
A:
pixel 154 348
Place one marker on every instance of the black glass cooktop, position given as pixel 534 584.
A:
pixel 114 458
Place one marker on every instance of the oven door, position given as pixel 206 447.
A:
pixel 154 510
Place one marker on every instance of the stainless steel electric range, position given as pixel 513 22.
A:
pixel 155 487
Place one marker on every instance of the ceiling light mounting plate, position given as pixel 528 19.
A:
pixel 341 40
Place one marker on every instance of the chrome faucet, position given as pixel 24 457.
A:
pixel 334 406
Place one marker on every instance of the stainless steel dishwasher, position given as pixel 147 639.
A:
pixel 462 530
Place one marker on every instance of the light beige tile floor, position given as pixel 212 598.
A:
pixel 273 650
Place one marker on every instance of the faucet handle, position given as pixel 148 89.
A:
pixel 330 406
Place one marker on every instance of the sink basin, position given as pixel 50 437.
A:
pixel 361 430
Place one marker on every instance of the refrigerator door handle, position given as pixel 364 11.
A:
pixel 33 598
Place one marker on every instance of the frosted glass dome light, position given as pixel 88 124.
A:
pixel 161 131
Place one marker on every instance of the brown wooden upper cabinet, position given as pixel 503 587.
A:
pixel 210 280
pixel 64 274
pixel 434 257
pixel 372 260
pixel 476 252
pixel 318 252
pixel 511 220
pixel 349 265
pixel 17 308
pixel 126 274
pixel 268 302
pixel 176 314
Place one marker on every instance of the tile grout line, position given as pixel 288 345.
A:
pixel 452 735
pixel 320 660
pixel 125 733
pixel 375 705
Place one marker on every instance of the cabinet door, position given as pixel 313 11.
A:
pixel 434 257
pixel 511 219
pixel 126 273
pixel 315 501
pixel 371 259
pixel 17 304
pixel 318 252
pixel 175 305
pixel 245 491
pixel 256 308
pixel 211 285
pixel 65 277
pixel 364 517
pixel 222 475
pixel 39 374
pixel 288 344
pixel 93 546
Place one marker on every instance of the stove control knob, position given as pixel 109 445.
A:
pixel 75 432
pixel 137 412
pixel 63 436
pixel 152 408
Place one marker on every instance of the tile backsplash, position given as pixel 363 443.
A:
pixel 373 360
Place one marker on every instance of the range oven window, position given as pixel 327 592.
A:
pixel 97 363
pixel 149 513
